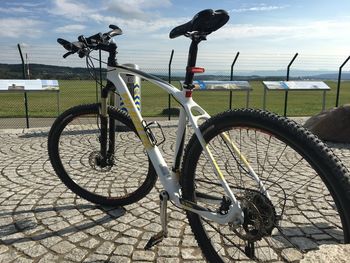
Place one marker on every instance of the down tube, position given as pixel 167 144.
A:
pixel 167 179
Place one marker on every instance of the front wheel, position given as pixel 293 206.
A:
pixel 74 151
pixel 308 186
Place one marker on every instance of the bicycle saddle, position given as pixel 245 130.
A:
pixel 204 23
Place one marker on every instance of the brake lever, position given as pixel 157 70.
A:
pixel 66 44
pixel 68 54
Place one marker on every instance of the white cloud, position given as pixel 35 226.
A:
pixel 259 8
pixel 317 30
pixel 70 28
pixel 19 27
pixel 12 10
pixel 73 11
pixel 26 4
pixel 139 25
pixel 126 9
pixel 130 15
pixel 136 8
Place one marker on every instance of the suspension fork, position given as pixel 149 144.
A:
pixel 103 123
pixel 112 129
pixel 107 131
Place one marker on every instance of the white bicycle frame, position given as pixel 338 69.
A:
pixel 167 177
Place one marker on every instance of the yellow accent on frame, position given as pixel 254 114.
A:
pixel 236 150
pixel 137 122
pixel 215 163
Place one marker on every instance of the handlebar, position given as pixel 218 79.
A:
pixel 95 42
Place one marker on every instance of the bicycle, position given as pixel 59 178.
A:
pixel 254 185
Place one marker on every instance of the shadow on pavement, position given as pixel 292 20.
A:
pixel 24 225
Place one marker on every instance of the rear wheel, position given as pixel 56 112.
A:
pixel 74 146
pixel 308 186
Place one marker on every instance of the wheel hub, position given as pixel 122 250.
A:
pixel 98 163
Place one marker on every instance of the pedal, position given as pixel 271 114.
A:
pixel 154 240
pixel 157 238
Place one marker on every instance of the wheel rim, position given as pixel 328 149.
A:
pixel 298 195
pixel 78 148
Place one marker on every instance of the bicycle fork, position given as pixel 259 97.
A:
pixel 107 129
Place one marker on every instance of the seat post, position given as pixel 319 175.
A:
pixel 191 61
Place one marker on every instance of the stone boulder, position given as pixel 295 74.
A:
pixel 331 125
pixel 328 253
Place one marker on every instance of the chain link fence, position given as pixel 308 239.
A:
pixel 78 87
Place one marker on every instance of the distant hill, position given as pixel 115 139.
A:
pixel 40 71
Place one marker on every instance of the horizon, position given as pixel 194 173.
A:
pixel 266 33
pixel 242 75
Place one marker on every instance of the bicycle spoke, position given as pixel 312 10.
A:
pixel 212 226
pixel 285 174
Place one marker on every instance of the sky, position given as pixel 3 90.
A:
pixel 265 33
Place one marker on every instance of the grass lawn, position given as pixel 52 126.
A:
pixel 154 100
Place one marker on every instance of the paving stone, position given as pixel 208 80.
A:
pixel 328 253
pixel 291 254
pixel 35 251
pixel 77 237
pixel 50 241
pixel 124 250
pixel 96 258
pixel 24 260
pixel 108 235
pixel 48 258
pixel 143 255
pixel 76 254
pixel 191 253
pixel 189 241
pixel 91 243
pixel 126 240
pixel 167 260
pixel 105 248
pixel 119 259
pixel 3 249
pixel 8 256
pixel 168 251
pixel 303 243
pixel 43 221
pixel 62 247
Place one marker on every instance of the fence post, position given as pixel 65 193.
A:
pixel 339 80
pixel 286 93
pixel 24 77
pixel 231 77
pixel 169 80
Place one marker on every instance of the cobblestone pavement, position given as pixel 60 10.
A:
pixel 42 221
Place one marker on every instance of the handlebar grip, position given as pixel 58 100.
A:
pixel 66 44
pixel 71 46
pixel 115 31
